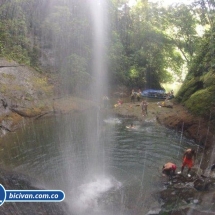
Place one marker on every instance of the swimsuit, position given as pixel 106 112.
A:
pixel 173 167
pixel 188 162
pixel 170 172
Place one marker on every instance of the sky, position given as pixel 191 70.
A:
pixel 168 2
pixel 165 2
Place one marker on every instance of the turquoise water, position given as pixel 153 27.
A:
pixel 56 152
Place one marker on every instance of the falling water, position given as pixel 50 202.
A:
pixel 182 130
pixel 98 87
pixel 96 180
pixel 99 14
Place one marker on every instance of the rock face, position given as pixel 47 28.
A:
pixel 26 94
pixel 195 194
pixel 23 93
pixel 21 85
pixel 194 127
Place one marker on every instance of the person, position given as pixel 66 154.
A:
pixel 144 106
pixel 132 96
pixel 138 95
pixel 171 94
pixel 188 160
pixel 119 102
pixel 169 170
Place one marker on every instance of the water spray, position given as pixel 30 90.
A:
pixel 181 136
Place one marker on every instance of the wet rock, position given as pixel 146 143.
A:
pixel 187 193
pixel 204 184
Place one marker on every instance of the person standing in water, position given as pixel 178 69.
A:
pixel 188 160
pixel 144 107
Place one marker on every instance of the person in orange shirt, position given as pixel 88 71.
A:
pixel 188 160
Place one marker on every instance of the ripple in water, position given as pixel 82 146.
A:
pixel 112 121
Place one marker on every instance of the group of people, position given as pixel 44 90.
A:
pixel 170 95
pixel 188 160
pixel 135 95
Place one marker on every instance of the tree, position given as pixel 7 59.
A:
pixel 180 24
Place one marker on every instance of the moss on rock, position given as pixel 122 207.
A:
pixel 188 88
pixel 198 91
pixel 199 102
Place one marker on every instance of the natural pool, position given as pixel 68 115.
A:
pixel 102 166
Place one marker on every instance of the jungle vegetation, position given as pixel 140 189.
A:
pixel 147 44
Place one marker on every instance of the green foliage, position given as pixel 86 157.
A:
pixel 188 88
pixel 74 74
pixel 205 11
pixel 197 93
pixel 209 79
pixel 118 61
pixel 180 25
pixel 14 29
pixel 154 41
pixel 200 102
pixel 146 45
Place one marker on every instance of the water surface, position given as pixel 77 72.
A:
pixel 119 175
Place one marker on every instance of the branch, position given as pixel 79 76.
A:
pixel 183 53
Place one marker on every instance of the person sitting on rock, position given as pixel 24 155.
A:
pixel 188 160
pixel 169 170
